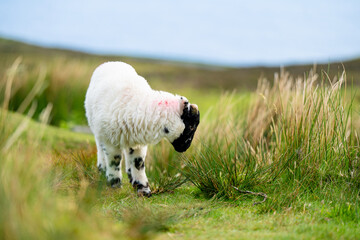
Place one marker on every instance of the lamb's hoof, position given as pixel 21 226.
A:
pixel 115 182
pixel 144 193
pixel 142 190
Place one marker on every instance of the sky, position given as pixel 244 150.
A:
pixel 226 32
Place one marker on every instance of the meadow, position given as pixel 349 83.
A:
pixel 276 154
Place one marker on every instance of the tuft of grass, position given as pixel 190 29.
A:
pixel 73 166
pixel 216 170
pixel 163 168
pixel 296 144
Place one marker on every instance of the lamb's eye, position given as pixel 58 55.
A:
pixel 166 130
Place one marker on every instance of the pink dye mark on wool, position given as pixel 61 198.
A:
pixel 167 103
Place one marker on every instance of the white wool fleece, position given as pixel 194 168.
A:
pixel 124 111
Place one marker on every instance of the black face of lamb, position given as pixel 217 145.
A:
pixel 191 119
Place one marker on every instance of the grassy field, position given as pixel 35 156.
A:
pixel 292 139
pixel 63 76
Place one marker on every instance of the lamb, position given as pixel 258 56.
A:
pixel 125 115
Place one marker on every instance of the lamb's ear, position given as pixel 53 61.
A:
pixel 194 110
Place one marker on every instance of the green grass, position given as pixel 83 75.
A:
pixel 74 199
pixel 297 143
pixel 45 136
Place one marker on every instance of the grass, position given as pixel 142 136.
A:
pixel 293 139
pixel 73 192
pixel 63 76
pixel 297 144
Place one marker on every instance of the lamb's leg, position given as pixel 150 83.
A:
pixel 100 156
pixel 135 168
pixel 113 164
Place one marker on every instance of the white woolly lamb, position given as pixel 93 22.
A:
pixel 126 115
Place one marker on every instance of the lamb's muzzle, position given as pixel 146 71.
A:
pixel 191 119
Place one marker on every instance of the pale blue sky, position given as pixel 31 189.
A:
pixel 221 32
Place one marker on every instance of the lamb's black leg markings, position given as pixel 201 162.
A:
pixel 116 162
pixel 129 175
pixel 135 169
pixel 115 167
pixel 114 182
pixel 137 185
pixel 100 168
pixel 100 156
pixel 139 163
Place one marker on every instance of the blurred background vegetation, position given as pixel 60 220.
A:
pixel 66 75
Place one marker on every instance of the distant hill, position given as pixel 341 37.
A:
pixel 171 72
